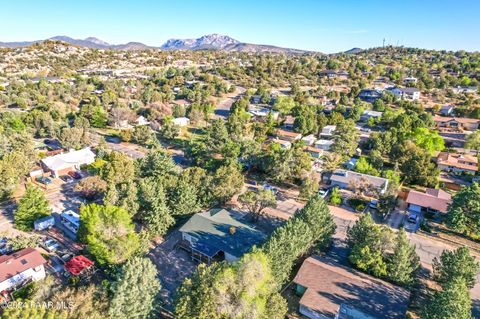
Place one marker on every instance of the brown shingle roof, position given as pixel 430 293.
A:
pixel 458 160
pixel 433 198
pixel 287 133
pixel 462 120
pixel 330 285
pixel 16 263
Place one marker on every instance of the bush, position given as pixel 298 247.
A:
pixel 358 204
pixel 335 198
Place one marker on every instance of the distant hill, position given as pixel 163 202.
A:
pixel 206 42
pixel 90 42
pixel 226 43
pixel 354 51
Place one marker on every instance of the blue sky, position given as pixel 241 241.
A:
pixel 322 25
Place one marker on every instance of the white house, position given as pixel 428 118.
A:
pixel 405 93
pixel 141 121
pixel 21 267
pixel 262 112
pixel 368 114
pixel 410 79
pixel 181 121
pixel 323 144
pixel 61 164
pixel 328 131
pixel 309 139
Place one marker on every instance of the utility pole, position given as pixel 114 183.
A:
pixel 383 42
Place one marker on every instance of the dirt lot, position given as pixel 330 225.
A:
pixel 174 265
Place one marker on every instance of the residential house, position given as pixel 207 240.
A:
pixel 323 144
pixel 343 74
pixel 331 74
pixel 370 95
pixel 20 268
pixel 141 121
pixel 313 151
pixel 181 121
pixel 282 143
pixel 287 135
pixel 457 163
pixel 309 139
pixel 352 180
pixel 256 99
pixel 327 131
pixel 410 80
pixel 446 110
pixel 262 112
pixel 323 99
pixel 368 114
pixel 288 122
pixel 219 234
pixel 432 201
pixel 61 164
pixel 409 93
pixel 465 89
pixel 330 290
pixel 49 79
pixel 457 123
pixel 181 102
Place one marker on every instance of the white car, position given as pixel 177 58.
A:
pixel 51 245
pixel 323 192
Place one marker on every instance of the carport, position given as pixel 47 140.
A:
pixel 204 253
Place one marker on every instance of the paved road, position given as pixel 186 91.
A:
pixel 427 248
pixel 222 110
pixel 60 199
pixel 132 150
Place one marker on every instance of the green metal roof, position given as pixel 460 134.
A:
pixel 223 230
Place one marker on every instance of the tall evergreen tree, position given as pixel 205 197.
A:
pixel 458 263
pixel 464 211
pixel 313 224
pixel 154 211
pixel 195 297
pixel 404 261
pixel 452 302
pixel 319 219
pixel 245 289
pixel 134 289
pixel 32 206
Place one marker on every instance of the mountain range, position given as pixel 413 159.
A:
pixel 206 42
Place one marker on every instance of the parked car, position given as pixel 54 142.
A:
pixel 51 245
pixel 66 178
pixel 75 174
pixel 413 218
pixel 44 180
pixel 5 248
pixel 373 204
pixel 323 192
pixel 268 187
